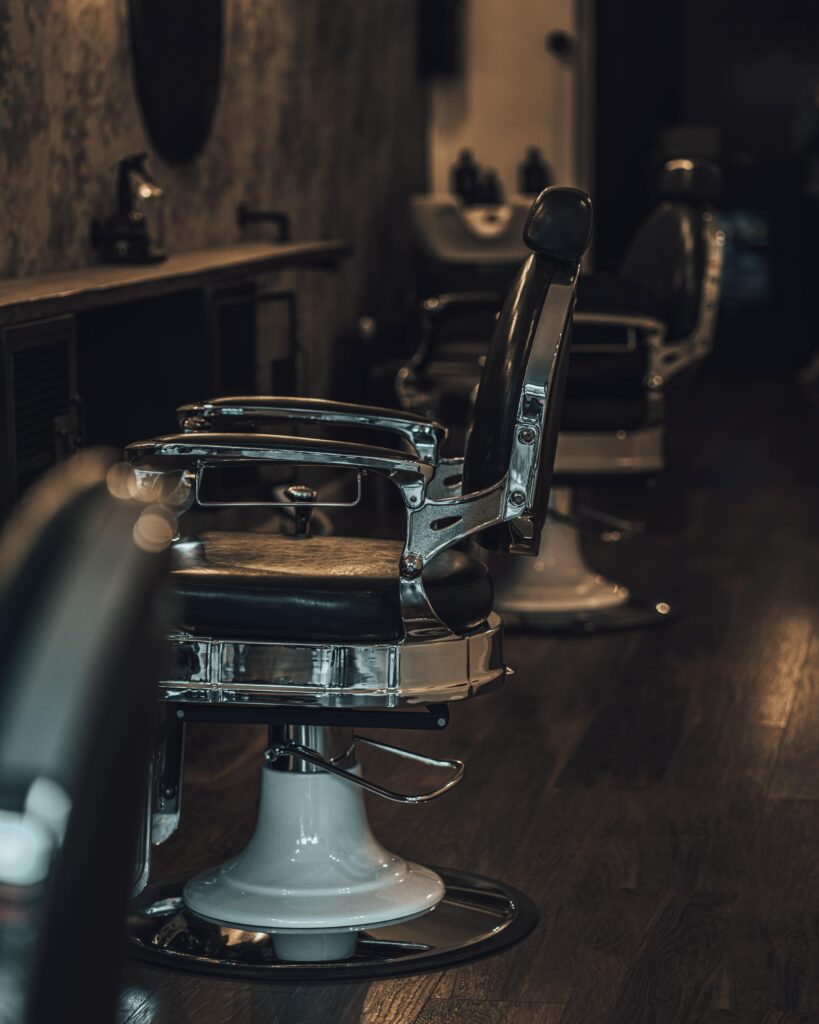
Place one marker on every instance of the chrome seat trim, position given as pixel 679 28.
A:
pixel 209 670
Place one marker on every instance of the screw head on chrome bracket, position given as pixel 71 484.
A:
pixel 411 567
pixel 517 498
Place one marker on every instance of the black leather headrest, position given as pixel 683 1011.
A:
pixel 557 230
pixel 559 224
pixel 694 180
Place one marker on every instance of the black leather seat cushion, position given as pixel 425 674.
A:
pixel 619 296
pixel 253 585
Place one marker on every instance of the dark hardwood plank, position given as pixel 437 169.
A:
pixel 797 768
pixel 744 1017
pixel 464 1011
pixel 784 854
pixel 630 742
pixel 773 951
pixel 676 973
pixel 600 978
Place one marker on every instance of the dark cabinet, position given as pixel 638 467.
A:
pixel 40 403
pixel 105 355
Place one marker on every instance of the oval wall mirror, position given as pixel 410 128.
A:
pixel 177 57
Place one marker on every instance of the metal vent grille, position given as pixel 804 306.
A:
pixel 40 384
pixel 42 388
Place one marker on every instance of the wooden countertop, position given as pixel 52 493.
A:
pixel 33 298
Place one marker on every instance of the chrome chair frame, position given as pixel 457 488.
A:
pixel 438 516
pixel 310 693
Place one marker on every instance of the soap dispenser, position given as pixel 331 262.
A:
pixel 465 176
pixel 489 191
pixel 136 232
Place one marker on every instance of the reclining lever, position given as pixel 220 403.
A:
pixel 302 498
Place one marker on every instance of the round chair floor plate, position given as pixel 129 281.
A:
pixel 476 917
pixel 631 614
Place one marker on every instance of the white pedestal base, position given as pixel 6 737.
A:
pixel 558 591
pixel 312 869
pixel 559 580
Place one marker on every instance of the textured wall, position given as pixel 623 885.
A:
pixel 512 94
pixel 320 115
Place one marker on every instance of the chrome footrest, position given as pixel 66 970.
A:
pixel 453 766
pixel 377 675
pixel 477 916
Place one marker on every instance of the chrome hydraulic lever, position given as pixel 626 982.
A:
pixel 291 749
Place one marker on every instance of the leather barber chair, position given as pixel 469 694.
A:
pixel 317 636
pixel 81 573
pixel 633 333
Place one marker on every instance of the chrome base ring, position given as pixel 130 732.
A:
pixel 631 614
pixel 476 917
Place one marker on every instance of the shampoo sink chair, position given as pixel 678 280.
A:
pixel 318 636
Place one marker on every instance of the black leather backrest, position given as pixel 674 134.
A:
pixel 557 231
pixel 669 255
pixel 669 251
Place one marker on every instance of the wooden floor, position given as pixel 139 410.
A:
pixel 655 792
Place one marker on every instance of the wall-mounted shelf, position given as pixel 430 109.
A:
pixel 105 354
pixel 23 299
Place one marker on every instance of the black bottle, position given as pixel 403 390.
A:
pixel 533 173
pixel 465 175
pixel 489 190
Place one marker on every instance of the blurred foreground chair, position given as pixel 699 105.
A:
pixel 315 636
pixel 81 568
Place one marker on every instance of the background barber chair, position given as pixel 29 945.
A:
pixel 81 566
pixel 633 332
pixel 316 636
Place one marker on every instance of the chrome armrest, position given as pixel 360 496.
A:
pixel 408 387
pixel 667 359
pixel 240 412
pixel 645 330
pixel 648 326
pixel 188 455
pixel 441 523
